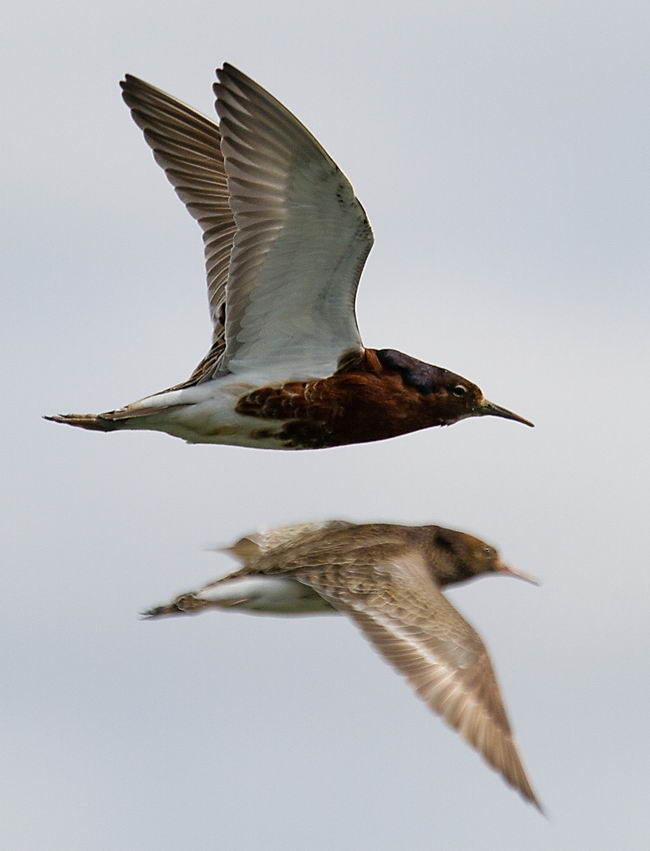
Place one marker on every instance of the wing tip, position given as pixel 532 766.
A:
pixel 131 81
pixel 229 70
pixel 531 798
pixel 131 87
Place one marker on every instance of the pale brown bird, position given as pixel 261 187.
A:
pixel 388 579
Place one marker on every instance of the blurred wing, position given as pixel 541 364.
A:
pixel 412 624
pixel 282 538
pixel 188 147
pixel 301 243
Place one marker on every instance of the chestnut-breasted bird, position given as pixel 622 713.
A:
pixel 285 242
pixel 388 579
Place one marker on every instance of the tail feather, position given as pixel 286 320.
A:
pixel 93 422
pixel 113 420
pixel 183 605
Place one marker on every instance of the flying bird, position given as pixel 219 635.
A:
pixel 388 579
pixel 285 242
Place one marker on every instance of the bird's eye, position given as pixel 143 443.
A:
pixel 459 390
pixel 488 551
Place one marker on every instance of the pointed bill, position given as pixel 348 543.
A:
pixel 489 409
pixel 510 571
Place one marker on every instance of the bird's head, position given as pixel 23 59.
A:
pixel 458 557
pixel 445 396
pixel 462 398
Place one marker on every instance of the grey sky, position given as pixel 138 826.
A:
pixel 499 150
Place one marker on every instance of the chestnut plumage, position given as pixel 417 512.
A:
pixel 285 243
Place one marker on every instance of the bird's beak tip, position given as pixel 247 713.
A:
pixel 510 571
pixel 489 409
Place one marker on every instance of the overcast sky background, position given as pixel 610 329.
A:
pixel 500 150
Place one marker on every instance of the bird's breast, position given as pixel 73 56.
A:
pixel 347 407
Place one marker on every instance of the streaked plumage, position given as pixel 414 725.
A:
pixel 285 242
pixel 388 579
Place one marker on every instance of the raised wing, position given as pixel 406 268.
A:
pixel 412 624
pixel 188 147
pixel 301 243
pixel 282 539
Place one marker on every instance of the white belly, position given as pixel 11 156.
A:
pixel 206 413
pixel 271 595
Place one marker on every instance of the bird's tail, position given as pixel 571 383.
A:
pixel 93 422
pixel 131 416
pixel 184 604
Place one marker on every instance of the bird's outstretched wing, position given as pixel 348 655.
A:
pixel 285 238
pixel 412 624
pixel 188 147
pixel 301 242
